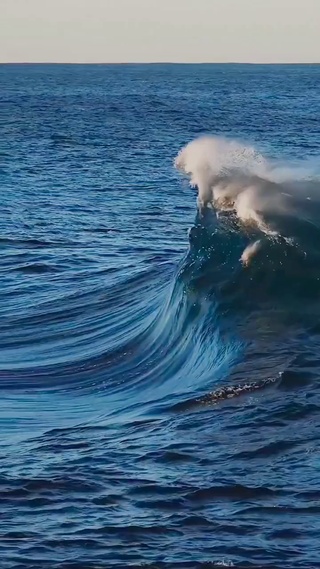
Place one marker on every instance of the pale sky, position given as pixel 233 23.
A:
pixel 159 30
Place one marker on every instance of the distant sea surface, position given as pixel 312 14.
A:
pixel 159 354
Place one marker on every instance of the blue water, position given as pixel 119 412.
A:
pixel 160 400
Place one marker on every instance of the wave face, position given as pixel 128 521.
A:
pixel 159 357
pixel 272 210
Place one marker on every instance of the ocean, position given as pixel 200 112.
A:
pixel 160 316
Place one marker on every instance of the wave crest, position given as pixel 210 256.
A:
pixel 236 178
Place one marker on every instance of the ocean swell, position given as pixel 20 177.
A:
pixel 248 284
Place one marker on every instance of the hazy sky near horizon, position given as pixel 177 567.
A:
pixel 159 30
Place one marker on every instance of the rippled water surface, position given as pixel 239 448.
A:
pixel 160 397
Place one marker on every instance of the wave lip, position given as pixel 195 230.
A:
pixel 235 178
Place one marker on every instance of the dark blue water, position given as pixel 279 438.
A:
pixel 159 399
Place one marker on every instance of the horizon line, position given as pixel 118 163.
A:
pixel 159 63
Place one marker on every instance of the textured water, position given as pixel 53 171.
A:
pixel 159 399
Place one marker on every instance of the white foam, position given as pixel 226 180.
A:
pixel 231 176
pixel 250 252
